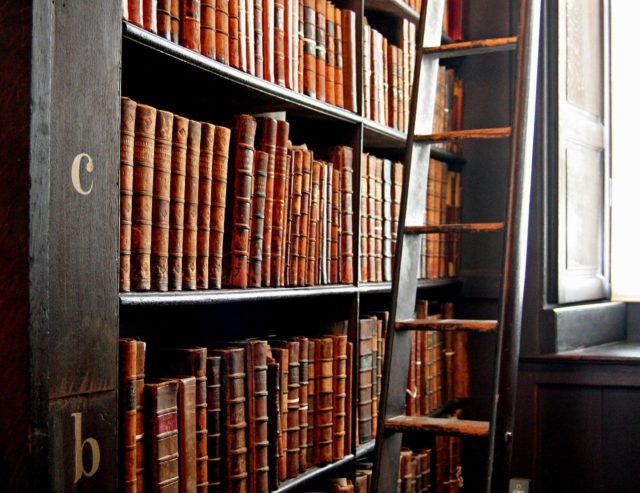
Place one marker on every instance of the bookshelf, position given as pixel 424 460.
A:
pixel 83 58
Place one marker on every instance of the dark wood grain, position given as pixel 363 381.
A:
pixel 449 325
pixel 481 133
pixel 476 47
pixel 441 426
pixel 455 228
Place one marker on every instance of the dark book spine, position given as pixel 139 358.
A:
pixel 222 31
pixel 330 73
pixel 311 392
pixel 304 402
pixel 339 395
pixel 143 155
pixel 273 413
pixel 278 42
pixel 192 179
pixel 365 379
pixel 176 211
pixel 396 193
pixel 301 42
pixel 218 204
pixel 250 30
pixel 339 59
pixel 323 425
pixel 208 28
pixel 161 202
pixel 175 21
pixel 309 58
pixel 345 159
pixel 314 215
pixel 286 247
pixel 150 15
pixel 305 207
pixel 279 197
pixel 234 33
pixel 348 440
pixel 141 349
pixel 259 418
pixel 258 37
pixel 205 177
pixel 135 12
pixel 293 411
pixel 164 18
pixel 349 59
pixel 297 158
pixel 336 225
pixel 190 24
pixel 127 415
pixel 321 48
pixel 281 356
pixel 127 138
pixel 187 433
pixel 261 163
pixel 267 143
pixel 214 424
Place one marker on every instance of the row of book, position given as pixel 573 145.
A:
pixel 238 417
pixel 308 46
pixel 203 206
pixel 448 107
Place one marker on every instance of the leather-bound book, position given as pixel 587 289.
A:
pixel 304 401
pixel 161 202
pixel 330 89
pixel 321 48
pixel 288 43
pixel 258 38
pixel 407 471
pixel 297 158
pixel 343 157
pixel 281 356
pixel 348 428
pixel 339 395
pixel 394 92
pixel 364 219
pixel 301 41
pixel 135 12
pixel 367 69
pixel 233 395
pixel 274 425
pixel 365 380
pixel 190 24
pixel 267 143
pixel 164 18
pixel 127 135
pixel 143 157
pixel 187 433
pixel 192 180
pixel 279 198
pixel 234 33
pixel 349 59
pixel 141 351
pixel 250 48
pixel 268 20
pixel 218 204
pixel 321 271
pixel 175 21
pixel 127 415
pixel 205 180
pixel 328 221
pixel 336 225
pixel 396 193
pixel 314 216
pixel 379 218
pixel 222 31
pixel 309 58
pixel 161 428
pixel 305 209
pixel 374 381
pixel 340 485
pixel 361 485
pixel 311 392
pixel 215 469
pixel 286 242
pixel 239 217
pixel 386 219
pixel 242 35
pixel 260 166
pixel 150 15
pixel 323 425
pixel 176 212
pixel 424 466
pixel 339 58
pixel 208 28
pixel 371 217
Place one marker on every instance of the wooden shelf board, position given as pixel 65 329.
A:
pixel 394 7
pixel 380 136
pixel 385 287
pixel 313 473
pixel 366 448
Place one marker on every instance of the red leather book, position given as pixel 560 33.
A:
pixel 339 395
pixel 187 433
pixel 143 156
pixel 258 38
pixel 279 42
pixel 305 207
pixel 279 198
pixel 208 28
pixel 222 31
pixel 365 380
pixel 320 270
pixel 243 36
pixel 161 429
pixel 371 226
pixel 257 222
pixel 150 15
pixel 205 177
pixel 267 143
pixel 190 24
pixel 374 380
pixel 286 247
pixel 311 392
pixel 215 469
pixel 127 415
pixel 218 204
pixel 321 48
pixel 314 214
pixel 175 21
pixel 161 201
pixel 330 93
pixel 364 219
pixel 268 23
pixel 304 401
pixel 234 33
pixel 141 350
pixel 237 223
pixel 192 180
pixel 250 29
pixel 323 425
pixel 309 57
pixel 336 225
pixel 135 12
pixel 343 158
pixel 361 485
pixel 164 18
pixel 454 20
pixel 288 43
pixel 297 158
pixel 349 59
pixel 281 357
pixel 127 135
pixel 274 430
pixel 348 444
pixel 340 485
pixel 176 211
pixel 339 58
pixel 300 53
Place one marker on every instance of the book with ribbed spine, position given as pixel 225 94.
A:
pixel 214 424
pixel 379 218
pixel 258 37
pixel 234 33
pixel 274 424
pixel 267 143
pixel 330 73
pixel 192 180
pixel 396 193
pixel 190 24
pixel 286 241
pixel 364 219
pixel 305 208
pixel 164 18
pixel 261 163
pixel 339 58
pixel 321 48
pixel 371 218
pixel 127 415
pixel 349 59
pixel 296 207
pixel 281 357
pixel 365 380
pixel 343 160
pixel 279 42
pixel 205 177
pixel 311 392
pixel 208 28
pixel 219 174
pixel 323 418
pixel 176 210
pixel 251 42
pixel 339 395
pixel 304 401
pixel 279 197
pixel 222 31
pixel 387 200
pixel 336 225
pixel 141 351
pixel 314 216
pixel 127 137
pixel 309 49
pixel 187 433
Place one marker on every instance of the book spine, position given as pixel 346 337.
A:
pixel 286 247
pixel 134 12
pixel 161 202
pixel 348 445
pixel 323 425
pixel 330 94
pixel 251 41
pixel 205 177
pixel 364 219
pixel 314 214
pixel 267 143
pixel 219 173
pixel 374 380
pixel 269 35
pixel 259 419
pixel 321 48
pixel 339 395
pixel 309 58
pixel 222 31
pixel 336 225
pixel 127 415
pixel 328 212
pixel 187 433
pixel 127 138
pixel 288 43
pixel 304 402
pixel 208 28
pixel 339 58
pixel 396 193
pixel 190 24
pixel 175 21
pixel 176 211
pixel 365 380
pixel 301 42
pixel 311 392
pixel 295 43
pixel 234 33
pixel 258 37
pixel 293 410
pixel 349 59
pixel 164 19
pixel 379 218
pixel 143 156
pixel 281 356
pixel 305 207
pixel 141 349
pixel 192 179
pixel 279 42
pixel 346 228
pixel 214 424
pixel 150 15
pixel 371 226
pixel 297 158
pixel 243 36
pixel 273 414
pixel 279 197
pixel 257 222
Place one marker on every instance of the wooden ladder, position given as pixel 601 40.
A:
pixel 392 421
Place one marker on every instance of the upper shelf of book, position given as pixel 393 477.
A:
pixel 397 8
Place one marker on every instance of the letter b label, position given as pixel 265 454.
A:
pixel 80 445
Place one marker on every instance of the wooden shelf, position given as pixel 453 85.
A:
pixel 396 8
pixel 385 287
pixel 313 473
pixel 366 448
pixel 378 136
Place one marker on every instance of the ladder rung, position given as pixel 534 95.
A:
pixel 455 228
pixel 440 426
pixel 480 133
pixel 476 47
pixel 448 325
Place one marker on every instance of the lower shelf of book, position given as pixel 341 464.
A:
pixel 315 473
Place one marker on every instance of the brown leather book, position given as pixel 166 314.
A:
pixel 205 177
pixel 365 380
pixel 238 218
pixel 267 143
pixel 339 58
pixel 250 48
pixel 141 350
pixel 340 485
pixel 300 53
pixel 297 158
pixel 234 33
pixel 242 35
pixel 304 401
pixel 407 472
pixel 349 59
pixel 161 428
pixel 321 48
pixel 323 425
pixel 279 200
pixel 150 15
pixel 339 395
pixel 261 163
pixel 379 218
pixel 281 357
pixel 348 428
pixel 127 135
pixel 393 89
pixel 274 425
pixel 311 392
pixel 361 485
pixel 258 38
pixel 279 42
pixel 208 28
pixel 175 21
pixel 190 24
pixel 330 89
pixel 143 156
pixel 291 52
pixel 135 12
pixel 328 219
pixel 367 70
pixel 336 225
pixel 164 18
pixel 286 242
pixel 192 180
pixel 396 193
pixel 215 468
pixel 305 209
pixel 187 433
pixel 161 202
pixel 176 211
pixel 127 415
pixel 218 204
pixel 374 381
pixel 343 159
pixel 314 216
pixel 320 270
pixel 309 57
pixel 371 225
pixel 268 20
pixel 364 218
pixel 222 31
pixel 233 395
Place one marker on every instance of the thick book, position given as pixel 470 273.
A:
pixel 321 48
pixel 161 429
pixel 187 433
pixel 260 166
pixel 134 12
pixel 305 208
pixel 314 216
pixel 286 228
pixel 267 143
pixel 339 58
pixel 296 209
pixel 396 193
pixel 279 42
pixel 364 218
pixel 222 31
pixel 234 33
pixel 387 200
pixel 161 202
pixel 365 380
pixel 208 28
pixel 164 18
pixel 281 357
pixel 268 20
pixel 127 137
pixel 192 178
pixel 304 402
pixel 150 15
pixel 323 418
pixel 205 179
pixel 371 217
pixel 215 469
pixel 349 40
pixel 258 37
pixel 176 210
pixel 339 395
pixel 141 352
pixel 143 157
pixel 250 30
pixel 336 226
pixel 279 198
pixel 311 392
pixel 349 410
pixel 274 429
pixel 379 218
pixel 343 160
pixel 127 415
pixel 218 204
pixel 330 55
pixel 309 55
pixel 190 24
